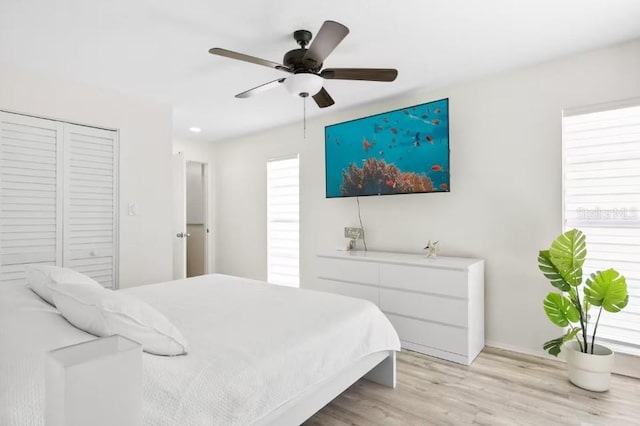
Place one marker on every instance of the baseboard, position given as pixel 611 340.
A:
pixel 625 365
pixel 539 353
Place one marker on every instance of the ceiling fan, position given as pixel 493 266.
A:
pixel 305 65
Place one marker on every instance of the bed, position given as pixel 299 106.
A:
pixel 258 354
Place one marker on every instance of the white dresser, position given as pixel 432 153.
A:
pixel 436 305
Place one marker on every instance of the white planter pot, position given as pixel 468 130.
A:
pixel 591 372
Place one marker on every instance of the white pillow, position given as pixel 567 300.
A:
pixel 40 277
pixel 105 312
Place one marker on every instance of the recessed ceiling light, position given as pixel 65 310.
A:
pixel 195 129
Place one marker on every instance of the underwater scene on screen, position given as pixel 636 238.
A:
pixel 397 152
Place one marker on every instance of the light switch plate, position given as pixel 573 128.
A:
pixel 131 209
pixel 353 233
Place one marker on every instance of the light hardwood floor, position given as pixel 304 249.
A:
pixel 500 388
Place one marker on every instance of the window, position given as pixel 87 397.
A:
pixel 601 197
pixel 283 222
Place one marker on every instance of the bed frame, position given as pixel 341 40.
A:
pixel 379 367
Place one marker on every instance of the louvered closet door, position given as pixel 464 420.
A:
pixel 30 202
pixel 90 202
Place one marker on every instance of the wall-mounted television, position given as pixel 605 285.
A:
pixel 397 152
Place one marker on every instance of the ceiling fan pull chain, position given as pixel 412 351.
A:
pixel 304 116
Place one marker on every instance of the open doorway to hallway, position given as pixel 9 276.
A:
pixel 197 226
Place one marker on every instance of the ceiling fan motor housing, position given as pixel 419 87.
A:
pixel 294 59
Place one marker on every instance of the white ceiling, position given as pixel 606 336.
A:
pixel 158 48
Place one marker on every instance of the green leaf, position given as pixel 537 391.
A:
pixel 551 272
pixel 571 334
pixel 560 310
pixel 569 249
pixel 567 253
pixel 607 289
pixel 554 346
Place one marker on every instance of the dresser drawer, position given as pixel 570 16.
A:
pixel 433 308
pixel 442 337
pixel 349 289
pixel 428 280
pixel 348 270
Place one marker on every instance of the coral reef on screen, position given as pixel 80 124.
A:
pixel 378 177
pixel 396 152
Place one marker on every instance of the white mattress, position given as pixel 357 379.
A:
pixel 253 347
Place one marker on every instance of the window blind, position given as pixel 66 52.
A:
pixel 601 197
pixel 283 222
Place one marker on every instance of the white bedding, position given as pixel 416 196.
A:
pixel 253 347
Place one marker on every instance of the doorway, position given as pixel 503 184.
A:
pixel 197 218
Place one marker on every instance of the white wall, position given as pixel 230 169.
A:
pixel 145 157
pixel 505 199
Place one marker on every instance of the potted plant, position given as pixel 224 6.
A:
pixel 589 364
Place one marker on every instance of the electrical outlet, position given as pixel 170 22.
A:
pixel 353 233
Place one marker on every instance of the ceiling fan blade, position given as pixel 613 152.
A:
pixel 242 57
pixel 368 74
pixel 329 36
pixel 262 88
pixel 323 99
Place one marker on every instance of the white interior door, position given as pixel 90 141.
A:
pixel 91 202
pixel 30 196
pixel 179 216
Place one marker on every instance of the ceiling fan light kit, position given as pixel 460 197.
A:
pixel 305 65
